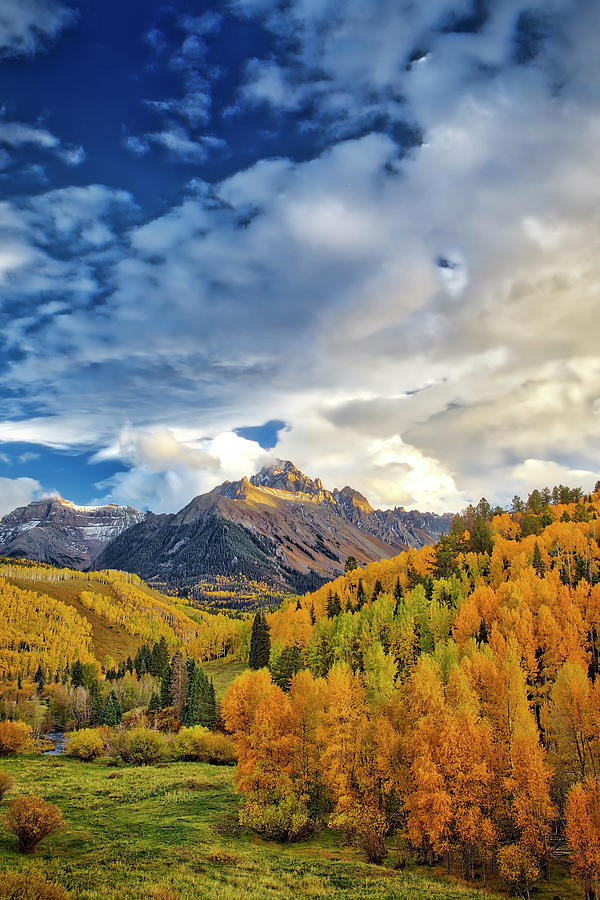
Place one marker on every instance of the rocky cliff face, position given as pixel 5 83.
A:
pixel 278 526
pixel 58 532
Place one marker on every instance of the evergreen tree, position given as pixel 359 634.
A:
pixel 208 715
pixel 377 590
pixel 113 712
pixel 351 564
pixel 95 702
pixel 154 705
pixel 288 663
pixel 360 595
pixel 537 562
pixel 19 681
pixel 428 585
pixel 334 606
pixel 77 674
pixel 260 642
pixel 39 678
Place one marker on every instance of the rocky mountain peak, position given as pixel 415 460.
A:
pixel 353 501
pixel 283 475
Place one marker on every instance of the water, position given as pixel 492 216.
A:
pixel 59 740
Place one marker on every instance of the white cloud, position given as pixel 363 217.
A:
pixel 26 24
pixel 539 473
pixel 179 144
pixel 16 492
pixel 315 292
pixel 167 471
pixel 137 145
pixel 19 134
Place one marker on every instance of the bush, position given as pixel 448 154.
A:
pixel 143 746
pixel 29 886
pixel 285 819
pixel 6 783
pixel 15 737
pixel 198 743
pixel 32 819
pixel 85 744
pixel 518 869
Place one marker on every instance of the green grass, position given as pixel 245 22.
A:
pixel 165 826
pixel 223 672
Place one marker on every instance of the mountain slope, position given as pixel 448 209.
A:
pixel 279 526
pixel 54 615
pixel 57 532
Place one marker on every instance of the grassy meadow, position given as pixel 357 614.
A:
pixel 170 831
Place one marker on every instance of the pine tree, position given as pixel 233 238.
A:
pixel 154 705
pixel 537 562
pixel 360 595
pixel 77 674
pixel 113 711
pixel 377 590
pixel 334 606
pixel 260 642
pixel 39 678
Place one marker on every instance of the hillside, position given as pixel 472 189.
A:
pixel 62 614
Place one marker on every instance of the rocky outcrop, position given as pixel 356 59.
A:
pixel 60 533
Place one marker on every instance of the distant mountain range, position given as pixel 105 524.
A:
pixel 60 533
pixel 279 526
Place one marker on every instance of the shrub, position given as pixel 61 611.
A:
pixel 15 737
pixel 198 743
pixel 29 886
pixel 6 783
pixel 285 819
pixel 32 819
pixel 143 746
pixel 518 869
pixel 85 744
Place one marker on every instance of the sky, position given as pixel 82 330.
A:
pixel 362 235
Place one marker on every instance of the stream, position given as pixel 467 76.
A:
pixel 59 740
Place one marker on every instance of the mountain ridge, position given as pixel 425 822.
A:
pixel 279 526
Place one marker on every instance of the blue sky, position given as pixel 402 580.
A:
pixel 361 235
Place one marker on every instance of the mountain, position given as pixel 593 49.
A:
pixel 58 532
pixel 279 526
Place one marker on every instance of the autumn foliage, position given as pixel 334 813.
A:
pixel 32 819
pixel 451 693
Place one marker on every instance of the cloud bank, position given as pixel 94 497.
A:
pixel 417 301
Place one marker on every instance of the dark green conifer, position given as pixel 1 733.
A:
pixel 334 606
pixel 39 678
pixel 360 595
pixel 260 642
pixel 537 562
pixel 77 674
pixel 377 590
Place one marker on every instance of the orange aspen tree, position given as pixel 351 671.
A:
pixel 583 835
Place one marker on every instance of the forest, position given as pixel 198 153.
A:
pixel 440 709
